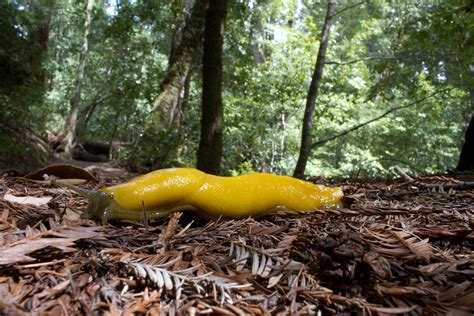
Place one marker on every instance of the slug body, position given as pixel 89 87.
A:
pixel 162 192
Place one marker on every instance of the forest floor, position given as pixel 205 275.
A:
pixel 403 247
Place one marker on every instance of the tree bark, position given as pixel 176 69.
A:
pixel 40 38
pixel 177 112
pixel 257 32
pixel 212 121
pixel 68 133
pixel 184 49
pixel 306 141
pixel 466 159
pixel 161 132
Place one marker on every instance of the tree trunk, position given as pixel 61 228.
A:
pixel 257 32
pixel 306 140
pixel 156 141
pixel 185 46
pixel 466 159
pixel 212 121
pixel 68 134
pixel 176 110
pixel 179 106
pixel 40 38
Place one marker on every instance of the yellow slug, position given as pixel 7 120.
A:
pixel 165 191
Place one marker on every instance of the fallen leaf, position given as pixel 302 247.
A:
pixel 18 251
pixel 68 181
pixel 62 171
pixel 36 201
pixel 393 310
pixel 71 215
pixel 77 232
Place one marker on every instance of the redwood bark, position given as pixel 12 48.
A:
pixel 212 121
pixel 306 139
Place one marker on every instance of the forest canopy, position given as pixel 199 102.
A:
pixel 397 86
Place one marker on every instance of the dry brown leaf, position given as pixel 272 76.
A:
pixel 77 232
pixel 62 171
pixel 36 201
pixel 17 252
pixel 170 230
pixel 67 181
pixel 299 249
pixel 70 215
pixel 392 310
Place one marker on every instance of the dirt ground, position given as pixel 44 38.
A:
pixel 403 247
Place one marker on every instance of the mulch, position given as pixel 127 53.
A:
pixel 403 247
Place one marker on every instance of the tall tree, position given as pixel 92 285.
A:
pixel 43 12
pixel 23 50
pixel 68 133
pixel 306 139
pixel 185 46
pixel 167 108
pixel 466 159
pixel 257 32
pixel 212 121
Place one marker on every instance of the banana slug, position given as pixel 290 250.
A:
pixel 162 192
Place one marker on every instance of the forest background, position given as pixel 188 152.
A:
pixel 396 87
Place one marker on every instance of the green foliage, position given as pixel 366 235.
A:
pixel 21 57
pixel 382 54
pixel 123 69
pixel 424 138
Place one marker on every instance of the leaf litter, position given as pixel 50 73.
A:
pixel 403 247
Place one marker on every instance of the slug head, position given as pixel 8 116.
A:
pixel 101 206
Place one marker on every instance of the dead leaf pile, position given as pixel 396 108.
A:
pixel 403 247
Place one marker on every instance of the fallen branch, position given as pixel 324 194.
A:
pixel 454 186
pixel 402 173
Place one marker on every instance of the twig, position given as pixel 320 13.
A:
pixel 145 215
pixel 456 186
pixel 402 173
pixel 341 63
pixel 349 7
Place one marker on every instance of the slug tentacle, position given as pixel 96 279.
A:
pixel 88 194
pixel 101 205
